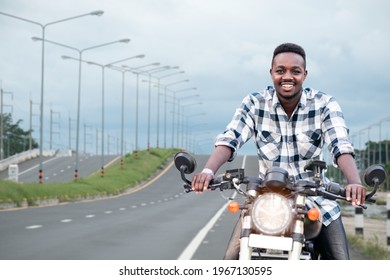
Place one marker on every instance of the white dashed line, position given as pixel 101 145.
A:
pixel 34 227
pixel 109 211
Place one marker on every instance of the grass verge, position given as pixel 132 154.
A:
pixel 137 167
pixel 371 248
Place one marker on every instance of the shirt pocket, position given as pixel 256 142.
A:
pixel 269 145
pixel 309 144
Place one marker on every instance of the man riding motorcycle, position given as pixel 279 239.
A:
pixel 290 125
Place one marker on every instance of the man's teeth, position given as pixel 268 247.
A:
pixel 287 86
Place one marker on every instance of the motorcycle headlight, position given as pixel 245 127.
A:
pixel 271 213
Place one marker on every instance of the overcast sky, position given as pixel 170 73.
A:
pixel 224 47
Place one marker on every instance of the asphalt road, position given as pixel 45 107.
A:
pixel 59 169
pixel 158 222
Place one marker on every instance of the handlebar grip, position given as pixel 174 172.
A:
pixel 336 189
pixel 339 190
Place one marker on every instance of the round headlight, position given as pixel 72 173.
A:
pixel 271 213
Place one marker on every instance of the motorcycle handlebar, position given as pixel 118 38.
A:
pixel 331 190
pixel 338 190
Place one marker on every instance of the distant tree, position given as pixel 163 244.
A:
pixel 15 139
pixel 373 153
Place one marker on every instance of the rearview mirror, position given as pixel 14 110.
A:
pixel 185 162
pixel 375 175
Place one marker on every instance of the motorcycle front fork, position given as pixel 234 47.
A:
pixel 298 231
pixel 245 249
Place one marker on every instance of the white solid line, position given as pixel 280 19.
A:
pixel 191 248
pixel 32 168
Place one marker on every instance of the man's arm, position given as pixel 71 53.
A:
pixel 220 155
pixel 355 192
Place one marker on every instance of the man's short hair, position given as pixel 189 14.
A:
pixel 290 47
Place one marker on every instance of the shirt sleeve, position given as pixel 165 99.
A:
pixel 336 131
pixel 240 129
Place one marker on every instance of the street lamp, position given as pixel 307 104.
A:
pixel 80 52
pixel 2 121
pixel 43 27
pixel 123 71
pixel 174 105
pixel 103 66
pixel 190 130
pixel 149 73
pixel 380 139
pixel 165 107
pixel 158 97
pixel 178 117
pixel 135 70
pixel 183 115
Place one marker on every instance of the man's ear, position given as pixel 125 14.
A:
pixel 305 75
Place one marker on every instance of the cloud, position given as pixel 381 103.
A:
pixel 224 47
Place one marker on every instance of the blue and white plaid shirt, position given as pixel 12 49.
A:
pixel 290 142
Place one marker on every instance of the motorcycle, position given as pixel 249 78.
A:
pixel 279 221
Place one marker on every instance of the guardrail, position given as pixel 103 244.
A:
pixel 21 157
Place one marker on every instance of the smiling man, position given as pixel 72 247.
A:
pixel 290 125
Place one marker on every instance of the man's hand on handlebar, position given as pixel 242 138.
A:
pixel 356 194
pixel 200 182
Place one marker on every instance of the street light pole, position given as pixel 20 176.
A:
pixel 80 52
pixel 2 121
pixel 165 106
pixel 103 66
pixel 174 105
pixel 43 27
pixel 123 71
pixel 149 73
pixel 181 114
pixel 135 70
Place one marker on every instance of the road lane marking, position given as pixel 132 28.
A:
pixel 89 216
pixel 66 220
pixel 34 227
pixel 34 167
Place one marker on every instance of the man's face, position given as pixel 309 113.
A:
pixel 288 73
